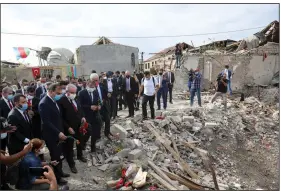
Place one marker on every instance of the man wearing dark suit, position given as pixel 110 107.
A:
pixel 130 89
pixel 171 79
pixel 52 128
pixel 89 100
pixel 33 103
pixel 44 94
pixel 104 102
pixel 119 101
pixel 42 88
pixel 112 92
pixel 6 106
pixel 18 117
pixel 73 117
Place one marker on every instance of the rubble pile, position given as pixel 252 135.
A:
pixel 191 148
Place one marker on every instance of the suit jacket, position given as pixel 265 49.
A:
pixel 114 86
pixel 51 119
pixel 19 91
pixel 172 77
pixel 4 109
pixel 71 118
pixel 133 85
pixel 42 95
pixel 86 102
pixel 120 84
pixel 39 91
pixel 24 130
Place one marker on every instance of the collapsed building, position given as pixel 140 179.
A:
pixel 254 60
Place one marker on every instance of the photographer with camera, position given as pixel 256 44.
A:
pixel 190 78
pixel 196 87
pixel 221 88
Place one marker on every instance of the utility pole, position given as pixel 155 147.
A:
pixel 141 69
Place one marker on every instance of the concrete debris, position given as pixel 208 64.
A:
pixel 165 153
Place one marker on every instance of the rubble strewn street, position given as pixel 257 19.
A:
pixel 191 148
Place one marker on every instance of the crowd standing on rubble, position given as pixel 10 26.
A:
pixel 60 113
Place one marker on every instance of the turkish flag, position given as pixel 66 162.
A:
pixel 36 72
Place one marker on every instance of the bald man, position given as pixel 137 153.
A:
pixel 130 88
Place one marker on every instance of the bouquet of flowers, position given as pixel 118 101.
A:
pixel 83 128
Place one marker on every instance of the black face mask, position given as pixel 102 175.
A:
pixel 160 73
pixel 127 76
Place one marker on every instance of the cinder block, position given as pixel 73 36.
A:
pixel 188 118
pixel 134 154
pixel 117 129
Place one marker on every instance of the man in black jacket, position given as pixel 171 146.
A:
pixel 112 89
pixel 42 88
pixel 171 79
pixel 52 128
pixel 119 101
pixel 6 105
pixel 18 117
pixel 33 103
pixel 90 104
pixel 130 89
pixel 73 117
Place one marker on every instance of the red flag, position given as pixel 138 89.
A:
pixel 36 72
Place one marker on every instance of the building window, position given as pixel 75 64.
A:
pixel 148 65
pixel 155 62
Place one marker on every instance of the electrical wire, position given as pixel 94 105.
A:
pixel 169 36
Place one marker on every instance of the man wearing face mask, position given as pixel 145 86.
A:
pixel 52 128
pixel 42 88
pixel 91 107
pixel 80 85
pixel 73 117
pixel 18 117
pixel 6 105
pixel 130 88
pixel 33 103
pixel 23 87
pixel 47 86
pixel 63 85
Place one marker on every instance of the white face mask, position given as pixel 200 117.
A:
pixel 30 97
pixel 63 91
pixel 104 78
pixel 41 151
pixel 90 89
pixel 72 96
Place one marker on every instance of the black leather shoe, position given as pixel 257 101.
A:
pixel 65 175
pixel 73 169
pixel 62 182
pixel 82 159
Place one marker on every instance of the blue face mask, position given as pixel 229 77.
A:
pixel 57 97
pixel 10 97
pixel 24 107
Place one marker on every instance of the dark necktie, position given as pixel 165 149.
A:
pixel 25 117
pixel 75 108
pixel 10 105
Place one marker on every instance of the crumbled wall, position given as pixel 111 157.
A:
pixel 249 68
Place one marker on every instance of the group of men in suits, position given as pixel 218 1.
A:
pixel 55 112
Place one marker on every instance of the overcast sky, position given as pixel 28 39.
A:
pixel 127 20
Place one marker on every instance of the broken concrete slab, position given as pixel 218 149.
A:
pixel 104 167
pixel 163 123
pixel 188 118
pixel 137 118
pixel 129 125
pixel 158 113
pixel 118 129
pixel 210 125
pixel 134 154
pixel 115 159
pixel 123 153
pixel 108 160
pixel 176 119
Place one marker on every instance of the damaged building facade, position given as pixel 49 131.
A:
pixel 254 65
pixel 104 55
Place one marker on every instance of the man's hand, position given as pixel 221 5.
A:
pixel 3 152
pixel 109 95
pixel 13 129
pixel 83 120
pixel 51 177
pixel 71 131
pixel 54 163
pixel 94 107
pixel 28 147
pixel 30 113
pixel 62 136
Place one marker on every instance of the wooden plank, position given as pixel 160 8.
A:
pixel 188 183
pixel 161 174
pixel 154 155
pixel 163 182
pixel 175 145
pixel 185 166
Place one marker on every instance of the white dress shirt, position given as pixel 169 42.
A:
pixel 109 85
